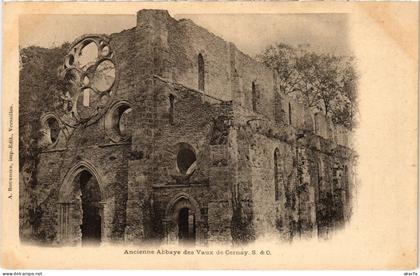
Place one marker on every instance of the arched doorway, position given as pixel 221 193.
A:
pixel 81 207
pixel 186 226
pixel 91 209
pixel 182 220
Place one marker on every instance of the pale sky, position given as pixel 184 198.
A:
pixel 251 33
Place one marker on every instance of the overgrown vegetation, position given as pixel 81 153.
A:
pixel 324 82
pixel 39 90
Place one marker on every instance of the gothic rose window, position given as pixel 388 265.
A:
pixel 90 73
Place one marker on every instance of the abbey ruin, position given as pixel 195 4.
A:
pixel 170 134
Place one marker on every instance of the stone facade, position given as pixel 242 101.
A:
pixel 192 142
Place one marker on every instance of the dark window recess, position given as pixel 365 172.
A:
pixel 278 108
pixel 290 114
pixel 186 226
pixel 171 108
pixel 54 129
pixel 200 72
pixel 254 97
pixel 204 211
pixel 91 221
pixel 121 121
pixel 185 158
pixel 135 155
pixel 124 120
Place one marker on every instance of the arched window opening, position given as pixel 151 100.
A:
pixel 186 159
pixel 254 97
pixel 183 216
pixel 200 72
pixel 124 121
pixel 88 54
pixel 104 76
pixel 290 114
pixel 276 175
pixel 118 122
pixel 71 78
pixel 80 214
pixel 91 220
pixel 171 108
pixel 54 129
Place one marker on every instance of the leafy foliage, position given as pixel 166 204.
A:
pixel 324 82
pixel 39 90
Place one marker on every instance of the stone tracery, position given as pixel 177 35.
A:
pixel 90 72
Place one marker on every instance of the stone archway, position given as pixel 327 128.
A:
pixel 183 223
pixel 91 209
pixel 186 226
pixel 81 219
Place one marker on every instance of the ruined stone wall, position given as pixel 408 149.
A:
pixel 242 227
pixel 315 186
pixel 273 213
pixel 186 41
pixel 89 143
pixel 37 93
pixel 110 163
pixel 234 127
pixel 229 73
pixel 224 64
pixel 287 111
pixel 257 83
pixel 154 178
pixel 124 47
pixel 148 59
pixel 258 139
pixel 191 120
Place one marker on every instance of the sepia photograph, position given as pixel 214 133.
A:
pixel 165 130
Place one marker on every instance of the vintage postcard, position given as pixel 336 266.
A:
pixel 234 135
